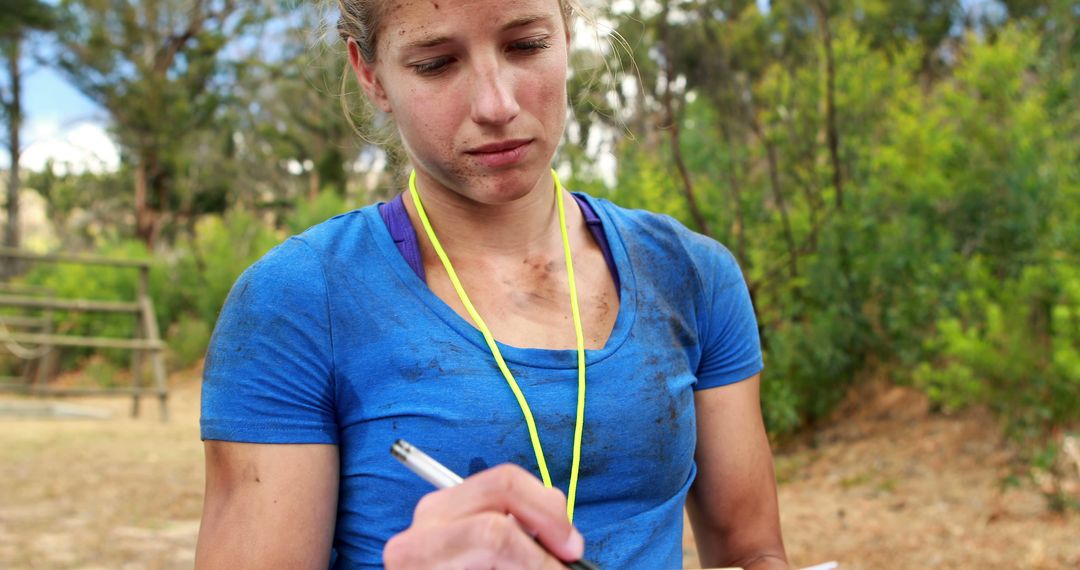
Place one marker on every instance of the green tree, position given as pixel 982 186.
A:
pixel 299 119
pixel 17 19
pixel 160 69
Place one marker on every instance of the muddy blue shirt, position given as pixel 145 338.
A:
pixel 332 338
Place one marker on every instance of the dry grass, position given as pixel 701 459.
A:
pixel 888 486
pixel 118 493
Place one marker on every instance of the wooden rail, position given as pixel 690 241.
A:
pixel 146 341
pixel 68 304
pixel 11 253
pixel 24 322
pixel 20 388
pixel 85 341
pixel 9 288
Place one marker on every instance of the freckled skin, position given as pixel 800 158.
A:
pixel 441 117
pixel 497 222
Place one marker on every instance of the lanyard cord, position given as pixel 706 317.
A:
pixel 571 494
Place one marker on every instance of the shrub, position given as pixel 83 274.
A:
pixel 187 339
pixel 310 212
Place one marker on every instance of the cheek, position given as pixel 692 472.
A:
pixel 546 93
pixel 425 119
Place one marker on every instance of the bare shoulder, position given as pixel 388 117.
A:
pixel 268 505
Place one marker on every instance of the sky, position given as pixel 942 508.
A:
pixel 62 124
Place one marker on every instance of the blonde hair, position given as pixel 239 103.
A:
pixel 361 20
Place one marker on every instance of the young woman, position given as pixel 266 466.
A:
pixel 588 369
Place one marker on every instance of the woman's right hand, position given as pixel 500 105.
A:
pixel 467 526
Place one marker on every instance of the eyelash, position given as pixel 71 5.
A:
pixel 436 66
pixel 532 46
pixel 431 67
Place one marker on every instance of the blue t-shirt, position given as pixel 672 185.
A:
pixel 400 226
pixel 332 338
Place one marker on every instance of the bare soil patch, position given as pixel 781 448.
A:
pixel 890 485
pixel 887 485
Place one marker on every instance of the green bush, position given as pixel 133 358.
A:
pixel 310 212
pixel 208 263
pixel 196 282
pixel 187 339
pixel 1013 345
pixel 188 286
pixel 98 283
pixel 101 372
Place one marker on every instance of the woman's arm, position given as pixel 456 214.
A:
pixel 732 504
pixel 268 506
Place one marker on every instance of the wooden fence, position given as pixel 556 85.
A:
pixel 19 331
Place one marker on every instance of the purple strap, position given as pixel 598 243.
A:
pixel 596 228
pixel 397 221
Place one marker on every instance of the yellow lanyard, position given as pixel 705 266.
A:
pixel 571 493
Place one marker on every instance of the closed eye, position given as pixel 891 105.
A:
pixel 432 66
pixel 437 65
pixel 532 45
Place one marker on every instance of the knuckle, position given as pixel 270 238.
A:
pixel 426 506
pixel 396 551
pixel 507 478
pixel 493 531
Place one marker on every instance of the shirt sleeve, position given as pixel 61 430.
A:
pixel 731 347
pixel 268 376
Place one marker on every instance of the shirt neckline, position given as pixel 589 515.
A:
pixel 530 357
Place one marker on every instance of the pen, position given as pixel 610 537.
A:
pixel 437 474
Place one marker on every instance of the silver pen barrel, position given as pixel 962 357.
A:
pixel 423 465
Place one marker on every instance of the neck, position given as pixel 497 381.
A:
pixel 524 226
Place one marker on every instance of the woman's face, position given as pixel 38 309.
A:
pixel 477 89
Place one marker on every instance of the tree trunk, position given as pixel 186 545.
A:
pixel 833 138
pixel 313 185
pixel 831 130
pixel 738 229
pixel 144 215
pixel 773 163
pixel 672 126
pixel 11 231
pixel 14 111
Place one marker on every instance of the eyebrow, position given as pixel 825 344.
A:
pixel 515 23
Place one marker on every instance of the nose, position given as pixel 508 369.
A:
pixel 494 101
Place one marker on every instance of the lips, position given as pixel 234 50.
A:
pixel 501 153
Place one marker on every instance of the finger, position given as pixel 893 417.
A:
pixel 485 540
pixel 507 489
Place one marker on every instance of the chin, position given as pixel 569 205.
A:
pixel 509 186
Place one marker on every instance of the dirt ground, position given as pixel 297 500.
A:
pixel 887 486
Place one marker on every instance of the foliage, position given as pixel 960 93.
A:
pixel 24 14
pixel 89 210
pixel 310 212
pixel 97 283
pixel 188 288
pixel 1012 345
pixel 187 339
pixel 899 193
pixel 159 69
pixel 100 371
pixel 209 262
pixel 898 180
